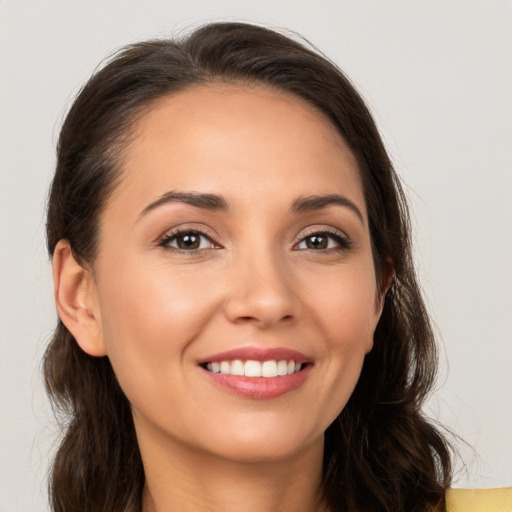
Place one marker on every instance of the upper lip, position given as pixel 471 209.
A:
pixel 258 354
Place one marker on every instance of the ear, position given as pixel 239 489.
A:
pixel 383 286
pixel 77 301
pixel 386 282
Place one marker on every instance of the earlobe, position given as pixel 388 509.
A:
pixel 76 300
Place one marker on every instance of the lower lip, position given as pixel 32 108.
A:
pixel 260 387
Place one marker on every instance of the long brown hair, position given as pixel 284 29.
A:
pixel 381 453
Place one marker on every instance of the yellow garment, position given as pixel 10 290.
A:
pixel 479 500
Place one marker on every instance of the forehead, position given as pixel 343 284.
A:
pixel 237 138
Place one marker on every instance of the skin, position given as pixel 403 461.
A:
pixel 157 310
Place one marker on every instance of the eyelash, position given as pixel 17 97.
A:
pixel 344 243
pixel 169 237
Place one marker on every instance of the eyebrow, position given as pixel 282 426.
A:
pixel 312 203
pixel 205 201
pixel 216 202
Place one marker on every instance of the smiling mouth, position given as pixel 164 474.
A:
pixel 251 368
pixel 258 373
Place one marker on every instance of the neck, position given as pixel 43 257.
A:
pixel 185 480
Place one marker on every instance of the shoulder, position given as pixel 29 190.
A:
pixel 479 500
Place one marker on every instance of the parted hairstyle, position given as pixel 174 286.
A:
pixel 381 452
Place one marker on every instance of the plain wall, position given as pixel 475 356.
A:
pixel 438 77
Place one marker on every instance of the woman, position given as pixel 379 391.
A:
pixel 240 323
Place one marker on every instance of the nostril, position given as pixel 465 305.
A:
pixel 263 320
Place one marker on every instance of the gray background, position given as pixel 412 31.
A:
pixel 438 77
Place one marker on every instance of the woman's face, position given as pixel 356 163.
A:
pixel 238 233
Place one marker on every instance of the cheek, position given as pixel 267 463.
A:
pixel 346 313
pixel 346 309
pixel 149 317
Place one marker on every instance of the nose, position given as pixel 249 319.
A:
pixel 261 292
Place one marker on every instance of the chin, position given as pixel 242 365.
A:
pixel 257 444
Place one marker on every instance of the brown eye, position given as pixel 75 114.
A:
pixel 323 241
pixel 317 242
pixel 188 241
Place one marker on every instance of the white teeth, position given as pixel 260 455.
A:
pixel 237 368
pixel 268 369
pixel 252 369
pixel 282 367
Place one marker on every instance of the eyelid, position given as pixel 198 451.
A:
pixel 166 237
pixel 340 236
